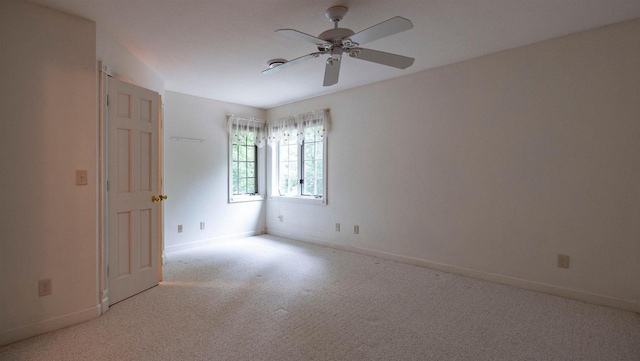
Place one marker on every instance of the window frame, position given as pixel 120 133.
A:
pixel 299 196
pixel 259 175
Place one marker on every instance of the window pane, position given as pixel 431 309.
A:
pixel 310 134
pixel 293 153
pixel 319 150
pixel 251 153
pixel 243 185
pixel 309 153
pixel 283 153
pixel 251 168
pixel 309 169
pixel 251 186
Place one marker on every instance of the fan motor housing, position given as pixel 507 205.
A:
pixel 335 36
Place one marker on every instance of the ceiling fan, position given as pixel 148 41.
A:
pixel 334 42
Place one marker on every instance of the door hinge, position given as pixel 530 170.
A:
pixel 107 271
pixel 107 99
pixel 107 186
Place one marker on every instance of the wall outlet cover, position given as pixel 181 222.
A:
pixel 563 261
pixel 45 287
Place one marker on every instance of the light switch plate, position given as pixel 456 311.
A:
pixel 81 177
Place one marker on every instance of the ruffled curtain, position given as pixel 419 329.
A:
pixel 294 127
pixel 275 131
pixel 241 127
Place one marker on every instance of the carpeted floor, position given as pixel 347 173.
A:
pixel 265 298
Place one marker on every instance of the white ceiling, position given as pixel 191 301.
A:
pixel 218 48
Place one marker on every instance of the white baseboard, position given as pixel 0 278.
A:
pixel 52 324
pixel 204 242
pixel 597 299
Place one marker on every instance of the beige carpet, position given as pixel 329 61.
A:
pixel 264 298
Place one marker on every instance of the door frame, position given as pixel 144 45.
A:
pixel 103 204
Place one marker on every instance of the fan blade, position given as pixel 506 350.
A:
pixel 380 57
pixel 295 34
pixel 291 62
pixel 331 72
pixel 385 28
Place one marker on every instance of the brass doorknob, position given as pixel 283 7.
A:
pixel 158 198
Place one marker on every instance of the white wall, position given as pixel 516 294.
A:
pixel 48 130
pixel 117 57
pixel 493 166
pixel 196 174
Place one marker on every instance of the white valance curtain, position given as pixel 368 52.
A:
pixel 283 129
pixel 295 126
pixel 240 127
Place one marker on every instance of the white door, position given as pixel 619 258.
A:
pixel 132 184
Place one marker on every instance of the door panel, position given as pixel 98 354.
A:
pixel 133 177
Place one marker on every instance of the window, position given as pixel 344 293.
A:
pixel 246 159
pixel 244 166
pixel 312 152
pixel 299 158
pixel 301 166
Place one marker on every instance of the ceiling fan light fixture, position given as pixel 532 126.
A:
pixel 334 58
pixel 348 44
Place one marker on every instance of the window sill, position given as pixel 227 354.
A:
pixel 246 198
pixel 301 199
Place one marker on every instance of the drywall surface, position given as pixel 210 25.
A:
pixel 492 167
pixel 48 131
pixel 118 58
pixel 196 174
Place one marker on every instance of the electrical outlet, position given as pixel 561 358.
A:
pixel 563 261
pixel 201 225
pixel 337 227
pixel 44 287
pixel 179 228
pixel 356 229
pixel 281 218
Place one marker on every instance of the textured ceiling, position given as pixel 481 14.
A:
pixel 218 48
